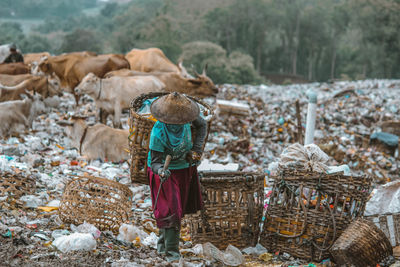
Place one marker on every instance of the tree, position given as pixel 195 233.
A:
pixel 11 32
pixel 81 40
pixel 35 43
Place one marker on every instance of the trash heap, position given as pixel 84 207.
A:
pixel 348 113
pixel 254 124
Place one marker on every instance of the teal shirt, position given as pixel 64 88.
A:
pixel 178 153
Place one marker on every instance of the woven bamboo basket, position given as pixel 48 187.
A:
pixel 139 137
pixel 308 211
pixel 362 244
pixel 233 207
pixel 101 202
pixel 389 224
pixel 16 184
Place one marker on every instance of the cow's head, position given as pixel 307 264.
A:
pixel 89 85
pixel 54 85
pixel 202 85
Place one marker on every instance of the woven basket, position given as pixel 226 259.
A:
pixel 233 207
pixel 101 202
pixel 392 127
pixel 362 244
pixel 139 137
pixel 16 184
pixel 389 224
pixel 307 228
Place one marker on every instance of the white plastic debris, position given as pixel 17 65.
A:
pixel 336 169
pixel 232 255
pixel 233 107
pixel 32 201
pixel 151 240
pixel 86 228
pixel 128 233
pixel 59 232
pixel 208 166
pixel 385 199
pixel 257 250
pixel 75 241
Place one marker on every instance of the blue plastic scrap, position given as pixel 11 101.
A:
pixel 387 138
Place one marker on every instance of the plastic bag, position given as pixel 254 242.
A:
pixel 232 255
pixel 129 233
pixel 257 250
pixel 309 157
pixel 75 241
pixel 385 199
pixel 86 228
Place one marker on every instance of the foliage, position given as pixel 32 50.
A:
pixel 316 39
pixel 237 68
pixel 81 40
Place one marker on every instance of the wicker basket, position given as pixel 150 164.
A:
pixel 392 127
pixel 101 202
pixel 362 244
pixel 233 207
pixel 307 228
pixel 389 224
pixel 16 184
pixel 139 137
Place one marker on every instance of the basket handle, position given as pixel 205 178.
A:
pixel 303 207
pixel 334 232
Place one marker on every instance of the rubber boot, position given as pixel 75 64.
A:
pixel 172 244
pixel 161 242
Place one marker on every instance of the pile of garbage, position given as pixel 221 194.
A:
pixel 252 127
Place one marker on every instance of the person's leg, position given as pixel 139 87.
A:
pixel 161 242
pixel 172 243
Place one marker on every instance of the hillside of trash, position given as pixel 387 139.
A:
pixel 251 128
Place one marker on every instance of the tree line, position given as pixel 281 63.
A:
pixel 242 41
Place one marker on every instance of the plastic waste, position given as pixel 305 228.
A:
pixel 129 233
pixel 31 201
pixel 257 250
pixel 86 228
pixel 151 240
pixel 342 168
pixel 232 255
pixel 75 241
pixel 59 232
pixel 385 199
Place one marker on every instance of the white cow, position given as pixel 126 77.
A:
pixel 116 93
pixel 98 141
pixel 16 116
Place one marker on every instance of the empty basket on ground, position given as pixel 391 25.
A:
pixel 233 207
pixel 307 211
pixel 101 202
pixel 16 185
pixel 389 224
pixel 362 244
pixel 140 129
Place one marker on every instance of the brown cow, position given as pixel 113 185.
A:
pixel 46 86
pixel 201 86
pixel 72 68
pixel 14 68
pixel 153 60
pixel 35 58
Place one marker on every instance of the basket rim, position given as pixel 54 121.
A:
pixel 137 103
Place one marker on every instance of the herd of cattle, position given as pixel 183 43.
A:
pixel 112 80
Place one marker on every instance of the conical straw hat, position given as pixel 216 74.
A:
pixel 174 108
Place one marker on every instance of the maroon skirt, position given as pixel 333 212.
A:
pixel 180 194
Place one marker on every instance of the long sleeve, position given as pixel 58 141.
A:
pixel 156 160
pixel 201 131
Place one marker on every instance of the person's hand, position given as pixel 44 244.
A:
pixel 164 173
pixel 196 156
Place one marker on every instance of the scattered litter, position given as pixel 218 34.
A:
pixel 75 241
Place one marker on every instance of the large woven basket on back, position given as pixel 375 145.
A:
pixel 308 211
pixel 139 137
pixel 101 202
pixel 233 207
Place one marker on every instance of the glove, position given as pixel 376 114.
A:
pixel 164 174
pixel 193 156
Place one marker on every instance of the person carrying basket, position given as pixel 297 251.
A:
pixel 172 171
